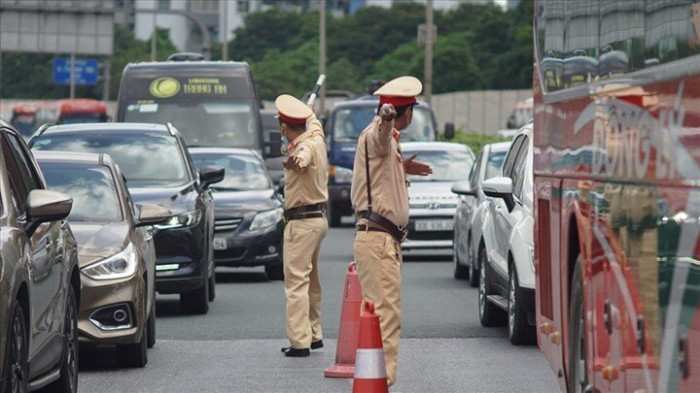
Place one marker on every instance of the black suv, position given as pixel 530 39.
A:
pixel 159 171
pixel 39 277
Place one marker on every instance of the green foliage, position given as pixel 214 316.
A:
pixel 474 140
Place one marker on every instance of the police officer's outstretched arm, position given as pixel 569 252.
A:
pixel 380 139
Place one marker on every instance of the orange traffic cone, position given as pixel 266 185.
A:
pixel 348 331
pixel 370 370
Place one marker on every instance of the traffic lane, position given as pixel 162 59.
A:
pixel 248 306
pixel 425 365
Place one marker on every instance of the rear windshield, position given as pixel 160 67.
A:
pixel 92 188
pixel 142 157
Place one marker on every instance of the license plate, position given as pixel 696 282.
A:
pixel 434 225
pixel 220 243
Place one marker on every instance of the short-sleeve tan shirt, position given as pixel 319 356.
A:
pixel 310 185
pixel 387 176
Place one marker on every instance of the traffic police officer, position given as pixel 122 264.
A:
pixel 380 198
pixel 305 196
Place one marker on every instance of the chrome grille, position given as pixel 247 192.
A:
pixel 227 224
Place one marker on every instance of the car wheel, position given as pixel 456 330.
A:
pixel 134 355
pixel 489 313
pixel 151 330
pixel 68 381
pixel 461 272
pixel 212 287
pixel 275 271
pixel 197 301
pixel 519 330
pixel 16 373
pixel 577 370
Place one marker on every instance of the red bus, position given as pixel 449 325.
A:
pixel 79 110
pixel 617 193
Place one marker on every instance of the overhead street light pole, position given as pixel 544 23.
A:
pixel 206 39
pixel 153 38
pixel 428 82
pixel 322 53
pixel 225 32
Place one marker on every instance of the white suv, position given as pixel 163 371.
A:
pixel 507 274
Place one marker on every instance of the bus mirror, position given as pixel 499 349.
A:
pixel 449 131
pixel 275 144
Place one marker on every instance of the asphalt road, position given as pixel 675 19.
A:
pixel 236 347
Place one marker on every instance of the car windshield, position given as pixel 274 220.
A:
pixel 92 188
pixel 214 123
pixel 450 165
pixel 243 172
pixel 142 157
pixel 494 164
pixel 82 118
pixel 349 123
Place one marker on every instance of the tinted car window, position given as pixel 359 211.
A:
pixel 241 172
pixel 518 171
pixel 494 164
pixel 93 191
pixel 23 178
pixel 474 172
pixel 448 165
pixel 142 157
pixel 512 154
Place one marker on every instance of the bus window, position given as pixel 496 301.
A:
pixel 203 123
pixel 550 36
pixel 621 37
pixel 581 42
pixel 672 30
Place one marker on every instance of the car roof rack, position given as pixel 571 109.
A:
pixel 186 56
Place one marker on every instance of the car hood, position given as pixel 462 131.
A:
pixel 177 199
pixel 99 240
pixel 244 201
pixel 431 190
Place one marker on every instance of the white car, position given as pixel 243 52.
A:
pixel 471 212
pixel 507 271
pixel 432 204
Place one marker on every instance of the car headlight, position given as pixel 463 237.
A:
pixel 266 219
pixel 341 175
pixel 120 265
pixel 188 219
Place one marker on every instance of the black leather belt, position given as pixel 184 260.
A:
pixel 305 211
pixel 385 225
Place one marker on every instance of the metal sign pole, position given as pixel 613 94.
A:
pixel 72 75
pixel 225 31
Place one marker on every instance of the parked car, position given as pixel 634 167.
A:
pixel 471 211
pixel 506 260
pixel 248 211
pixel 432 204
pixel 116 253
pixel 39 277
pixel 345 122
pixel 159 171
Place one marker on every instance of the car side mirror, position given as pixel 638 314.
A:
pixel 45 205
pixel 500 187
pixel 275 144
pixel 449 131
pixel 463 188
pixel 280 186
pixel 151 215
pixel 210 174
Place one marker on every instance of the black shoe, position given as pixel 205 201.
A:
pixel 296 353
pixel 317 344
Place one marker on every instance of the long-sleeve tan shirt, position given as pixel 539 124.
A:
pixel 387 176
pixel 309 185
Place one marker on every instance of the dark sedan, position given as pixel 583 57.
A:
pixel 248 230
pixel 159 171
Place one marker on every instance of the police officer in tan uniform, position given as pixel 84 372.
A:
pixel 305 196
pixel 381 206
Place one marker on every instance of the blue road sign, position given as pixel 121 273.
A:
pixel 85 71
